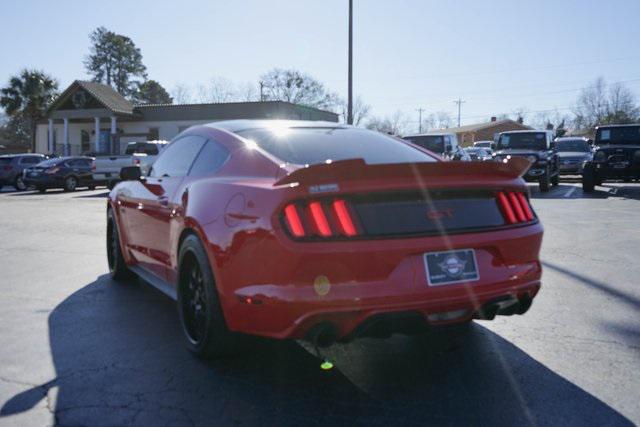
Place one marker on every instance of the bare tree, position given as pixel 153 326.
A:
pixel 437 120
pixel 361 111
pixel 395 124
pixel 298 88
pixel 600 103
pixel 520 114
pixel 181 94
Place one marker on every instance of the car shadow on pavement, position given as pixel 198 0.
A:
pixel 119 359
pixel 601 286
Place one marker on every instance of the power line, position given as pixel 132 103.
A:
pixel 526 68
pixel 459 101
pixel 420 110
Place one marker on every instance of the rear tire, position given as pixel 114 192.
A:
pixel 588 180
pixel 41 189
pixel 205 330
pixel 70 183
pixel 545 183
pixel 117 266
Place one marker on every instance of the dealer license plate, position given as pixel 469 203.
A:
pixel 449 267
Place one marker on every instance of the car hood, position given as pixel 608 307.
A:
pixel 626 148
pixel 516 152
pixel 573 154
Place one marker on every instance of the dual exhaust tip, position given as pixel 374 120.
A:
pixel 325 334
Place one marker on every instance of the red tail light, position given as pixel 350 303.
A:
pixel 7 168
pixel 524 203
pixel 515 207
pixel 293 221
pixel 344 217
pixel 318 219
pixel 93 167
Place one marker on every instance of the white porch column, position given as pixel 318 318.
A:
pixel 50 138
pixel 97 132
pixel 65 137
pixel 114 130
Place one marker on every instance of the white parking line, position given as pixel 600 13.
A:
pixel 570 192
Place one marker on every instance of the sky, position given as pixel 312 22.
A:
pixel 496 55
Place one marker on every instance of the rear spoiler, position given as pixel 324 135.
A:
pixel 357 169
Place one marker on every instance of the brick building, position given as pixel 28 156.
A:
pixel 469 134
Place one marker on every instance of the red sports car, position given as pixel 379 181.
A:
pixel 320 231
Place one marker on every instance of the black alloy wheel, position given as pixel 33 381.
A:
pixel 194 303
pixel 117 266
pixel 205 329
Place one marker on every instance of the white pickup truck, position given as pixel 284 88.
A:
pixel 106 168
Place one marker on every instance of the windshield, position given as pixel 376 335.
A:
pixel 619 135
pixel 319 145
pixel 433 143
pixel 525 140
pixel 573 145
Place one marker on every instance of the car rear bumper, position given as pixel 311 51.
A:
pixel 350 289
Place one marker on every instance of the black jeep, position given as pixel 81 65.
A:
pixel 616 156
pixel 538 147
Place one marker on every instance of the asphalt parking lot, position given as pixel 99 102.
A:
pixel 78 349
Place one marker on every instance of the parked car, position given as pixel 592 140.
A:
pixel 322 231
pixel 484 144
pixel 106 168
pixel 536 146
pixel 68 173
pixel 12 165
pixel 616 156
pixel 478 154
pixel 443 144
pixel 573 153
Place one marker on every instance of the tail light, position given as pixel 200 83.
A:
pixel 324 219
pixel 7 168
pixel 93 167
pixel 515 207
pixel 136 162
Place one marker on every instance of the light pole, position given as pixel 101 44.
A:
pixel 350 90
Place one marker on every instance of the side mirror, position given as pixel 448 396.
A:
pixel 130 173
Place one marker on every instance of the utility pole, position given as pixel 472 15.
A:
pixel 419 110
pixel 459 102
pixel 261 83
pixel 350 93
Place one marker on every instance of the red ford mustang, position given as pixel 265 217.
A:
pixel 319 231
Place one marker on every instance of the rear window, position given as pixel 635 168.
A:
pixel 619 135
pixel 142 148
pixel 524 140
pixel 433 143
pixel 5 160
pixel 573 145
pixel 319 145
